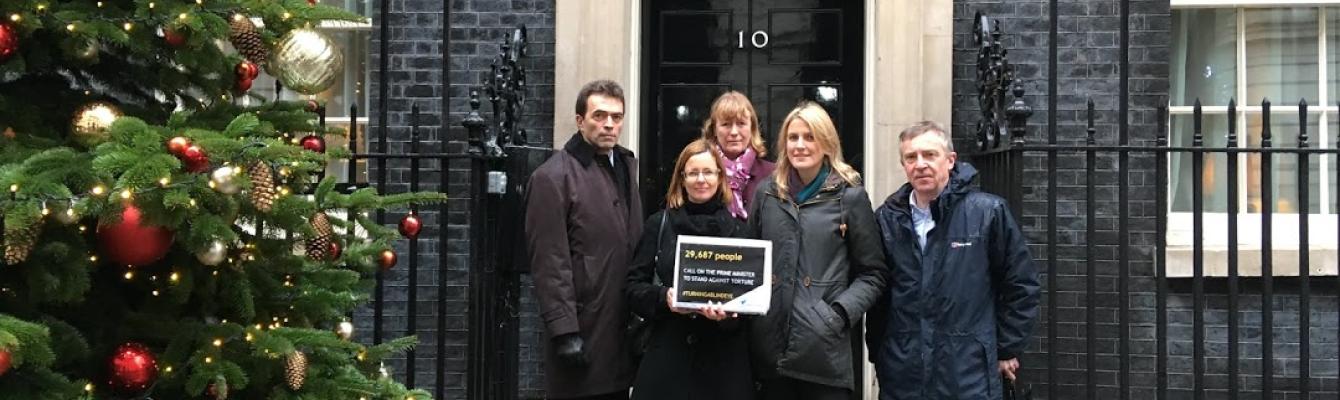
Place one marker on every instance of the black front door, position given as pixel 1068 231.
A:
pixel 777 52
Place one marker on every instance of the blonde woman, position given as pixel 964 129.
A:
pixel 732 129
pixel 699 354
pixel 828 263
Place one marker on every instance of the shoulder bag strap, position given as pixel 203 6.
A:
pixel 655 277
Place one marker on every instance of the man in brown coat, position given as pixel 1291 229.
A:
pixel 583 220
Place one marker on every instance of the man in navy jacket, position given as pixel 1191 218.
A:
pixel 963 294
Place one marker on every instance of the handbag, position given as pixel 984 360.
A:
pixel 639 328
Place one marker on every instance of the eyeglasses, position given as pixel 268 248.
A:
pixel 707 174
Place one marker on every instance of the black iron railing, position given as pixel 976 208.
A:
pixel 498 159
pixel 1003 165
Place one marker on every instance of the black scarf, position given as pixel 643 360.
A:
pixel 707 219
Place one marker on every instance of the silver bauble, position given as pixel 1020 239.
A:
pixel 306 61
pixel 345 330
pixel 91 122
pixel 224 180
pixel 213 255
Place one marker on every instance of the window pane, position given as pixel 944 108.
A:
pixel 1333 54
pixel 349 87
pixel 1214 186
pixel 1284 167
pixel 360 7
pixel 1203 56
pixel 1282 57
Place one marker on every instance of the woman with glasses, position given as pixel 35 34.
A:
pixel 828 263
pixel 692 354
pixel 732 128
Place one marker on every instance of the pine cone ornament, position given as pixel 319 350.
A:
pixel 295 370
pixel 242 33
pixel 19 244
pixel 319 246
pixel 263 190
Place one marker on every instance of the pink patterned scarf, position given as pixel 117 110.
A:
pixel 738 174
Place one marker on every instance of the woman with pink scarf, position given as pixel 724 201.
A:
pixel 733 128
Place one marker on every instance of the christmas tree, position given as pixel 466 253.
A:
pixel 163 238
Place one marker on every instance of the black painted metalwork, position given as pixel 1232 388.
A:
pixel 1161 255
pixel 1191 368
pixel 1090 253
pixel 1304 276
pixel 383 109
pixel 1197 258
pixel 503 163
pixel 1123 204
pixel 504 88
pixel 1233 307
pixel 1267 265
pixel 994 78
pixel 495 153
pixel 1053 28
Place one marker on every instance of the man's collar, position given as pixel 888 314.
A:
pixel 912 200
pixel 585 152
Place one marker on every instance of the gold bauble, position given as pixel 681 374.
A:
pixel 91 122
pixel 306 61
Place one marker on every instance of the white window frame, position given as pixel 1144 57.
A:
pixel 1322 223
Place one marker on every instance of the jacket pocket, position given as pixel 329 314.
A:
pixel 962 368
pixel 815 346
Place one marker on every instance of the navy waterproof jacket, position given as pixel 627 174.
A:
pixel 953 310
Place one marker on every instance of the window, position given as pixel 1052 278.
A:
pixel 350 88
pixel 1249 51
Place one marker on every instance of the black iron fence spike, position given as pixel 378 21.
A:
pixel 1302 123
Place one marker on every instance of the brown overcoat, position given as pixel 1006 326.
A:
pixel 581 232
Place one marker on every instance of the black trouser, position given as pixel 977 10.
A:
pixel 621 395
pixel 791 389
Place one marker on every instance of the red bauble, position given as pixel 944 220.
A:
pixel 130 242
pixel 335 250
pixel 195 159
pixel 314 143
pixel 386 259
pixel 246 70
pixel 9 42
pixel 174 37
pixel 313 106
pixel 5 361
pixel 410 226
pixel 132 369
pixel 242 85
pixel 177 145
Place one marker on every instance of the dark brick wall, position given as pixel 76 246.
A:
pixel 1089 58
pixel 415 78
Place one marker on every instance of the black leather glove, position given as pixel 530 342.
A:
pixel 570 349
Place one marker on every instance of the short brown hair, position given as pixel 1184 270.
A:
pixel 603 87
pixel 925 127
pixel 675 197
